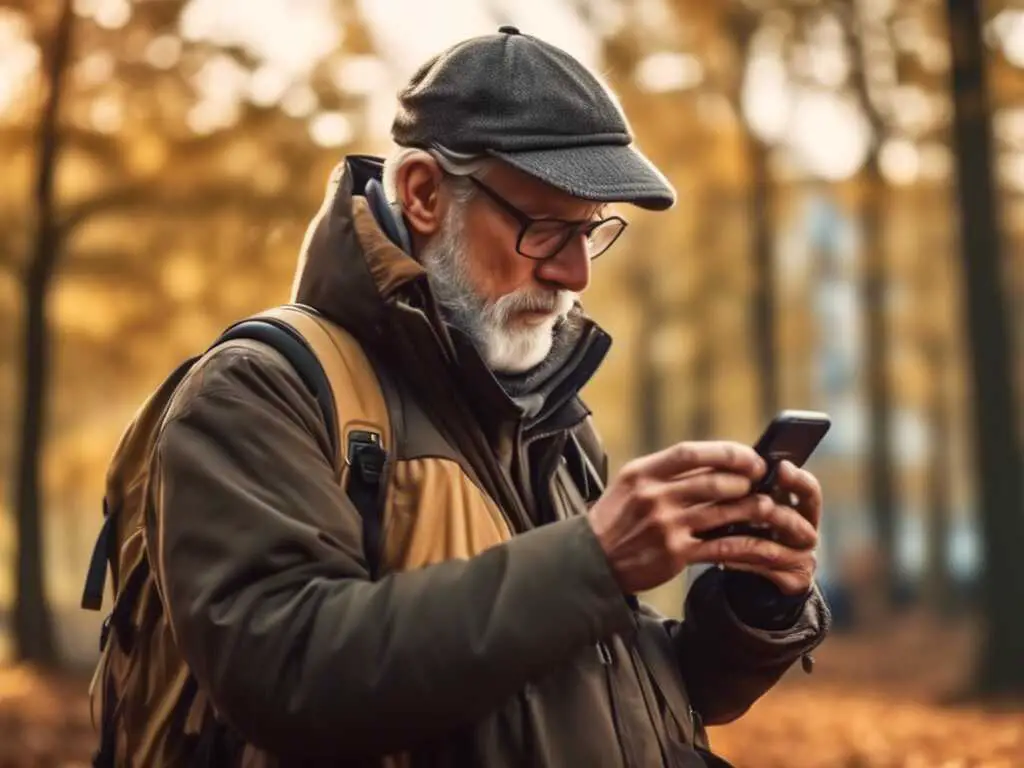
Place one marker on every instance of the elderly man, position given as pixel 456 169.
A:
pixel 492 618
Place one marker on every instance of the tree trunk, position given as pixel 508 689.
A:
pixel 939 592
pixel 742 25
pixel 763 315
pixel 700 311
pixel 648 387
pixel 702 416
pixel 880 452
pixel 997 454
pixel 881 479
pixel 33 628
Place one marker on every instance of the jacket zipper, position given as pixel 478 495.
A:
pixel 604 655
pixel 697 726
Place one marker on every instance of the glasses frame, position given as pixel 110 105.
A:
pixel 526 221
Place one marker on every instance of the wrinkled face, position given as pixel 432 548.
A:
pixel 507 303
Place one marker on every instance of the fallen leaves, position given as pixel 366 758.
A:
pixel 44 720
pixel 825 727
pixel 875 701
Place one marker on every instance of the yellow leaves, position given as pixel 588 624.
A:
pixel 81 174
pixel 146 153
pixel 239 158
pixel 19 58
pixel 193 330
pixel 163 51
pixel 676 343
pixel 269 177
pixel 10 287
pixel 331 129
pixel 95 68
pixel 911 374
pixel 107 113
pixel 77 460
pixel 83 307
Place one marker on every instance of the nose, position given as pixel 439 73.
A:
pixel 569 269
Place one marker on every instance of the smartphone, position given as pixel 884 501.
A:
pixel 791 436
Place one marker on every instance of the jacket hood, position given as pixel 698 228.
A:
pixel 351 271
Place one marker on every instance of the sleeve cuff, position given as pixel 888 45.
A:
pixel 708 608
pixel 758 603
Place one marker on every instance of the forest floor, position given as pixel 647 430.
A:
pixel 886 699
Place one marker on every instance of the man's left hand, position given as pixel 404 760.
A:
pixel 793 515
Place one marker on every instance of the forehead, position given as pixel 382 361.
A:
pixel 536 198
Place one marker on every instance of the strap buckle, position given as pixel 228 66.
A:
pixel 366 455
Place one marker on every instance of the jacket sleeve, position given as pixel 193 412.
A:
pixel 258 557
pixel 728 665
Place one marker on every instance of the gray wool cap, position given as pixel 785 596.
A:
pixel 531 104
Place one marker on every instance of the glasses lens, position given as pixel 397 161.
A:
pixel 604 233
pixel 543 239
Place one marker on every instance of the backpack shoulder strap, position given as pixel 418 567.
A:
pixel 358 401
pixel 288 341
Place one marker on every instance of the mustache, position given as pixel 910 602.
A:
pixel 554 302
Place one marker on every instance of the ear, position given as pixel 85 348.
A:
pixel 418 185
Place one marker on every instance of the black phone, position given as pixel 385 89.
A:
pixel 791 436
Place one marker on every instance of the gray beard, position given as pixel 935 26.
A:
pixel 505 348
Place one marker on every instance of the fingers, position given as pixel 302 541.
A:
pixel 792 529
pixel 683 457
pixel 806 488
pixel 796 582
pixel 747 553
pixel 697 487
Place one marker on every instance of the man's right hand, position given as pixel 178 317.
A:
pixel 648 517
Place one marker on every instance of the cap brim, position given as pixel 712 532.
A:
pixel 607 173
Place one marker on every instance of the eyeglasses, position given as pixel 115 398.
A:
pixel 542 239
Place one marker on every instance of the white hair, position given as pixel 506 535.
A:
pixel 455 164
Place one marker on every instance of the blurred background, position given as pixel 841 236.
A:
pixel 847 238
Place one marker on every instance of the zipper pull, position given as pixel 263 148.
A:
pixel 807 662
pixel 604 654
pixel 696 726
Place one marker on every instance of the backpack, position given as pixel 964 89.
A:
pixel 356 411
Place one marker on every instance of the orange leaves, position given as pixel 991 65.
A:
pixel 828 727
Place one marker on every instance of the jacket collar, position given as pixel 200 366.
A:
pixel 353 272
